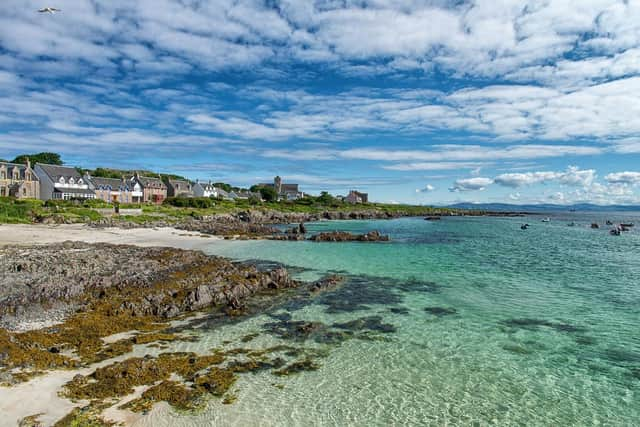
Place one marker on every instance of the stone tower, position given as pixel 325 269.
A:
pixel 277 184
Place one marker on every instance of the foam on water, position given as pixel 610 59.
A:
pixel 493 325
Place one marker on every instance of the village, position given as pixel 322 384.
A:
pixel 57 182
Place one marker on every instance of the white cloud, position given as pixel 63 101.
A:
pixel 572 176
pixel 471 184
pixel 427 189
pixel 632 178
pixel 430 166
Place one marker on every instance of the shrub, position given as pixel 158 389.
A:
pixel 96 203
pixel 189 202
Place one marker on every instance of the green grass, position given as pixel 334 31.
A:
pixel 23 211
pixel 27 211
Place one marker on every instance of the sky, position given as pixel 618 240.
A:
pixel 414 101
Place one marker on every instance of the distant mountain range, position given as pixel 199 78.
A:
pixel 580 207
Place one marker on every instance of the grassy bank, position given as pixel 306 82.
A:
pixel 26 211
pixel 13 211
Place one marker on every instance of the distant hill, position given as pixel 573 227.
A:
pixel 580 207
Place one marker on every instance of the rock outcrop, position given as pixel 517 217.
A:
pixel 47 282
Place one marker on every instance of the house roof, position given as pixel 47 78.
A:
pixel 178 181
pixel 148 181
pixel 12 166
pixel 113 182
pixel 205 185
pixel 54 172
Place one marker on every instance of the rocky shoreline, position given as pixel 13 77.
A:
pixel 47 282
pixel 95 302
pixel 259 224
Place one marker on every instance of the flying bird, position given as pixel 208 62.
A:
pixel 49 10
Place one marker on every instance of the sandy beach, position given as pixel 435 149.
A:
pixel 27 234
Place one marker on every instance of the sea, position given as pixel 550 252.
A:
pixel 463 321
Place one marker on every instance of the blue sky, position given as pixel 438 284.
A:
pixel 413 101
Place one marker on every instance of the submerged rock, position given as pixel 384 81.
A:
pixel 532 324
pixel 371 323
pixel 344 236
pixel 326 284
pixel 440 311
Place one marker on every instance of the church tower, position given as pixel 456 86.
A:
pixel 277 184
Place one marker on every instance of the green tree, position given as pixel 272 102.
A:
pixel 222 185
pixel 108 173
pixel 268 194
pixel 325 199
pixel 48 158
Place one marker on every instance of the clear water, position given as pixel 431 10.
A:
pixel 494 326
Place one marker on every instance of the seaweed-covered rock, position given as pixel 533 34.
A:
pixel 344 236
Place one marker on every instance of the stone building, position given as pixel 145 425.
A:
pixel 285 191
pixel 19 181
pixel 178 188
pixel 111 190
pixel 356 197
pixel 152 189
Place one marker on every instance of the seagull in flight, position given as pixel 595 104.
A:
pixel 51 10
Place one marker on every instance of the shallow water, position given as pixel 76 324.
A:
pixel 485 324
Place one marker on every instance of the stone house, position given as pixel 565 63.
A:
pixel 111 190
pixel 356 197
pixel 62 183
pixel 19 181
pixel 179 188
pixel 152 190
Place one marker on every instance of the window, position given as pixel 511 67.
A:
pixel 61 180
pixel 3 175
pixel 72 181
pixel 24 191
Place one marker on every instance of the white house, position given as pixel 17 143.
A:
pixel 62 183
pixel 204 189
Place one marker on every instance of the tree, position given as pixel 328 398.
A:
pixel 268 194
pixel 48 158
pixel 109 173
pixel 325 198
pixel 222 185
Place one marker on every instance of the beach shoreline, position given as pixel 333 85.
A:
pixel 31 234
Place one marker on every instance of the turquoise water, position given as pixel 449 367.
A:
pixel 478 323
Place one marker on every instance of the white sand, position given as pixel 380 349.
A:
pixel 40 395
pixel 22 234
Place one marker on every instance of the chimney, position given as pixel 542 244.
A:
pixel 28 164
